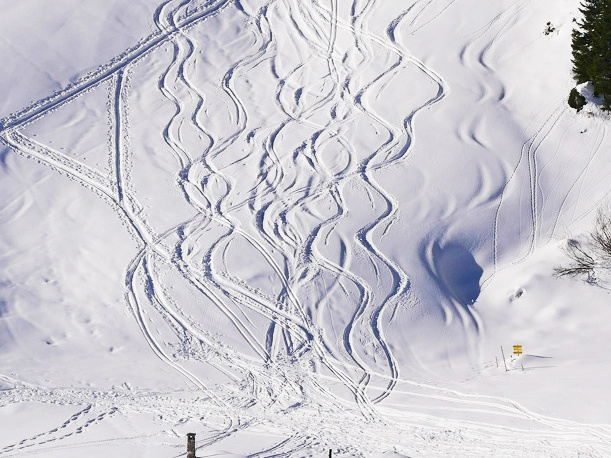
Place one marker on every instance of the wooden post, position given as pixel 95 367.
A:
pixel 522 367
pixel 497 361
pixel 191 445
pixel 330 453
pixel 504 362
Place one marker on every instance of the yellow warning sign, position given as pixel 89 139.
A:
pixel 517 349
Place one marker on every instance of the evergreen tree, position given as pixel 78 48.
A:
pixel 592 48
pixel 576 100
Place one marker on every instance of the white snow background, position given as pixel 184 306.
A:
pixel 293 226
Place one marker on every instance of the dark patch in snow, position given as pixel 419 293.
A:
pixel 459 272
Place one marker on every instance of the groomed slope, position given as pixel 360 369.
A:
pixel 293 226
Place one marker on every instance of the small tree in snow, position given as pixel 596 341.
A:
pixel 576 100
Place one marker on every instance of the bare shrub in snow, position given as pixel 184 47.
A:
pixel 592 258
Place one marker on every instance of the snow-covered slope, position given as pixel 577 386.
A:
pixel 293 226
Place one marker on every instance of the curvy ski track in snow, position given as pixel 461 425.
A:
pixel 296 217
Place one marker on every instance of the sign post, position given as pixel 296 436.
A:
pixel 504 362
pixel 517 349
pixel 191 445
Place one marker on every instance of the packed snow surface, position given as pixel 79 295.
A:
pixel 293 226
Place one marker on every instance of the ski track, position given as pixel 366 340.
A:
pixel 143 48
pixel 292 362
pixel 529 155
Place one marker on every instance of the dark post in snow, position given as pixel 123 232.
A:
pixel 504 361
pixel 191 445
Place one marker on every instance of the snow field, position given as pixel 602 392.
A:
pixel 294 226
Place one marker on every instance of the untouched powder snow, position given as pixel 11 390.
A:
pixel 294 226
